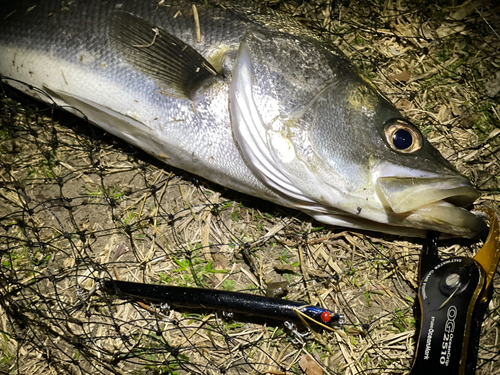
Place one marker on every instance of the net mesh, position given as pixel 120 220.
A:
pixel 78 205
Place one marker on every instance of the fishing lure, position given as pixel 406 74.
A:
pixel 235 302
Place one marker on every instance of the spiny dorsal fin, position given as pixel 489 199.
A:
pixel 174 65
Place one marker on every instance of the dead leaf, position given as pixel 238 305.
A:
pixel 310 366
pixel 277 289
pixel 220 261
pixel 318 273
pixel 404 76
pixel 403 104
pixel 284 268
pixel 492 85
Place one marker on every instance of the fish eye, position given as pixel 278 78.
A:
pixel 403 136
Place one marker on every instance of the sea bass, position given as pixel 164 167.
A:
pixel 245 97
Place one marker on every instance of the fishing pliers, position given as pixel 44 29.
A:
pixel 454 294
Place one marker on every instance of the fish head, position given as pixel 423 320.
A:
pixel 327 141
pixel 392 174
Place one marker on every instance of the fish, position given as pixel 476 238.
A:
pixel 243 96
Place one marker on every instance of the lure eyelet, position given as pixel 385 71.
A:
pixel 402 136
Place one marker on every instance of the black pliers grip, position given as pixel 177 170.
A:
pixel 453 295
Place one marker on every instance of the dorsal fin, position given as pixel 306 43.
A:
pixel 172 64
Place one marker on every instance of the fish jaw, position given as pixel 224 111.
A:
pixel 449 219
pixel 419 204
pixel 406 194
pixel 427 199
pixel 369 210
pixel 436 203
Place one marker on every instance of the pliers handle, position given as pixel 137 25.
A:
pixel 453 296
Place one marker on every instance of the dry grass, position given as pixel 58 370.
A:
pixel 77 205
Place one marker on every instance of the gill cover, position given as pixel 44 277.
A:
pixel 267 111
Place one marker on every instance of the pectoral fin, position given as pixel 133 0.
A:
pixel 172 64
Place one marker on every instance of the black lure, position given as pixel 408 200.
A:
pixel 236 302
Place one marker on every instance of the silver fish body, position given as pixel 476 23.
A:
pixel 249 100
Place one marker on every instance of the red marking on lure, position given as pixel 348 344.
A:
pixel 325 316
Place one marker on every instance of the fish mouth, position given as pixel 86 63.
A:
pixel 433 203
